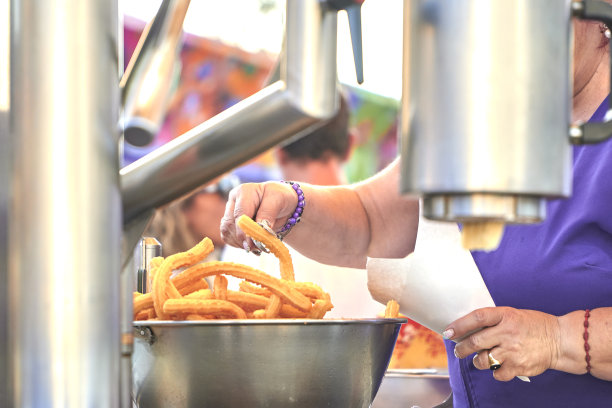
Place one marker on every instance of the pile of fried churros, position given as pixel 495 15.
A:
pixel 187 295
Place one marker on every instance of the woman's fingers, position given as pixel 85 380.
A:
pixel 242 200
pixel 481 324
pixel 524 342
pixel 270 201
pixel 474 321
pixel 481 360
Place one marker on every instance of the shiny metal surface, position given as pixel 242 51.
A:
pixel 65 214
pixel 150 75
pixel 594 132
pixel 483 112
pixel 126 308
pixel 257 363
pixel 402 388
pixel 149 249
pixel 305 95
pixel 5 183
pixel 464 207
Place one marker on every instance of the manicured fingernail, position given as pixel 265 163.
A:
pixel 474 359
pixel 523 378
pixel 455 352
pixel 448 334
pixel 246 246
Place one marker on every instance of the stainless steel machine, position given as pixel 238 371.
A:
pixel 63 339
pixel 485 119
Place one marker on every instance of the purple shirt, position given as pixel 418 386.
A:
pixel 558 266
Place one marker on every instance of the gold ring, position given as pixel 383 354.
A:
pixel 494 364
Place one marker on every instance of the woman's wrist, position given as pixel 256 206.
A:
pixel 296 215
pixel 571 348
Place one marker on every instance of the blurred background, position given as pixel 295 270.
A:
pixel 229 50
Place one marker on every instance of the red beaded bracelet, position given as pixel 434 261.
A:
pixel 587 357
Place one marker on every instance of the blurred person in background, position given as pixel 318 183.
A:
pixel 185 222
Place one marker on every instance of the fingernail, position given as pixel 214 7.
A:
pixel 523 378
pixel 455 352
pixel 474 359
pixel 246 246
pixel 256 251
pixel 448 334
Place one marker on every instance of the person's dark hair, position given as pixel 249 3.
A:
pixel 332 137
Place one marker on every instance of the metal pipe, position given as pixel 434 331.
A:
pixel 150 76
pixel 65 214
pixel 305 95
pixel 126 284
pixel 5 183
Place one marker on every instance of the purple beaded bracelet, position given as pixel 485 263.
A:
pixel 297 213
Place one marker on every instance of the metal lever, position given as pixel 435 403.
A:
pixel 353 10
pixel 589 133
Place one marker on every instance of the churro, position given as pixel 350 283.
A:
pixel 185 307
pixel 392 309
pixel 163 288
pixel 275 245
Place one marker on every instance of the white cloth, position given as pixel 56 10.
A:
pixel 436 284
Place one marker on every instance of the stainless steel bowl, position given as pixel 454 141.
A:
pixel 261 363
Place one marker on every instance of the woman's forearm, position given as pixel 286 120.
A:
pixel 571 353
pixel 334 228
pixel 343 225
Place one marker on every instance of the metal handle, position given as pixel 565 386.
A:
pixel 589 133
pixel 150 78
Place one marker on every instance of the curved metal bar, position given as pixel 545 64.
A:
pixel 305 95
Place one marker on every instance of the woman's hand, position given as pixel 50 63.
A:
pixel 270 201
pixel 526 342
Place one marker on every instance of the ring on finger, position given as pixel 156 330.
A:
pixel 494 364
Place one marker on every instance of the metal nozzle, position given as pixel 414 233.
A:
pixel 354 18
pixel 353 10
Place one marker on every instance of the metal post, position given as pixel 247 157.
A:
pixel 5 179
pixel 65 214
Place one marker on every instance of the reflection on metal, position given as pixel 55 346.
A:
pixel 5 183
pixel 149 248
pixel 132 233
pixel 126 285
pixel 587 133
pixel 478 142
pixel 152 72
pixel 172 368
pixel 420 387
pixel 65 219
pixel 305 95
pixel 462 207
